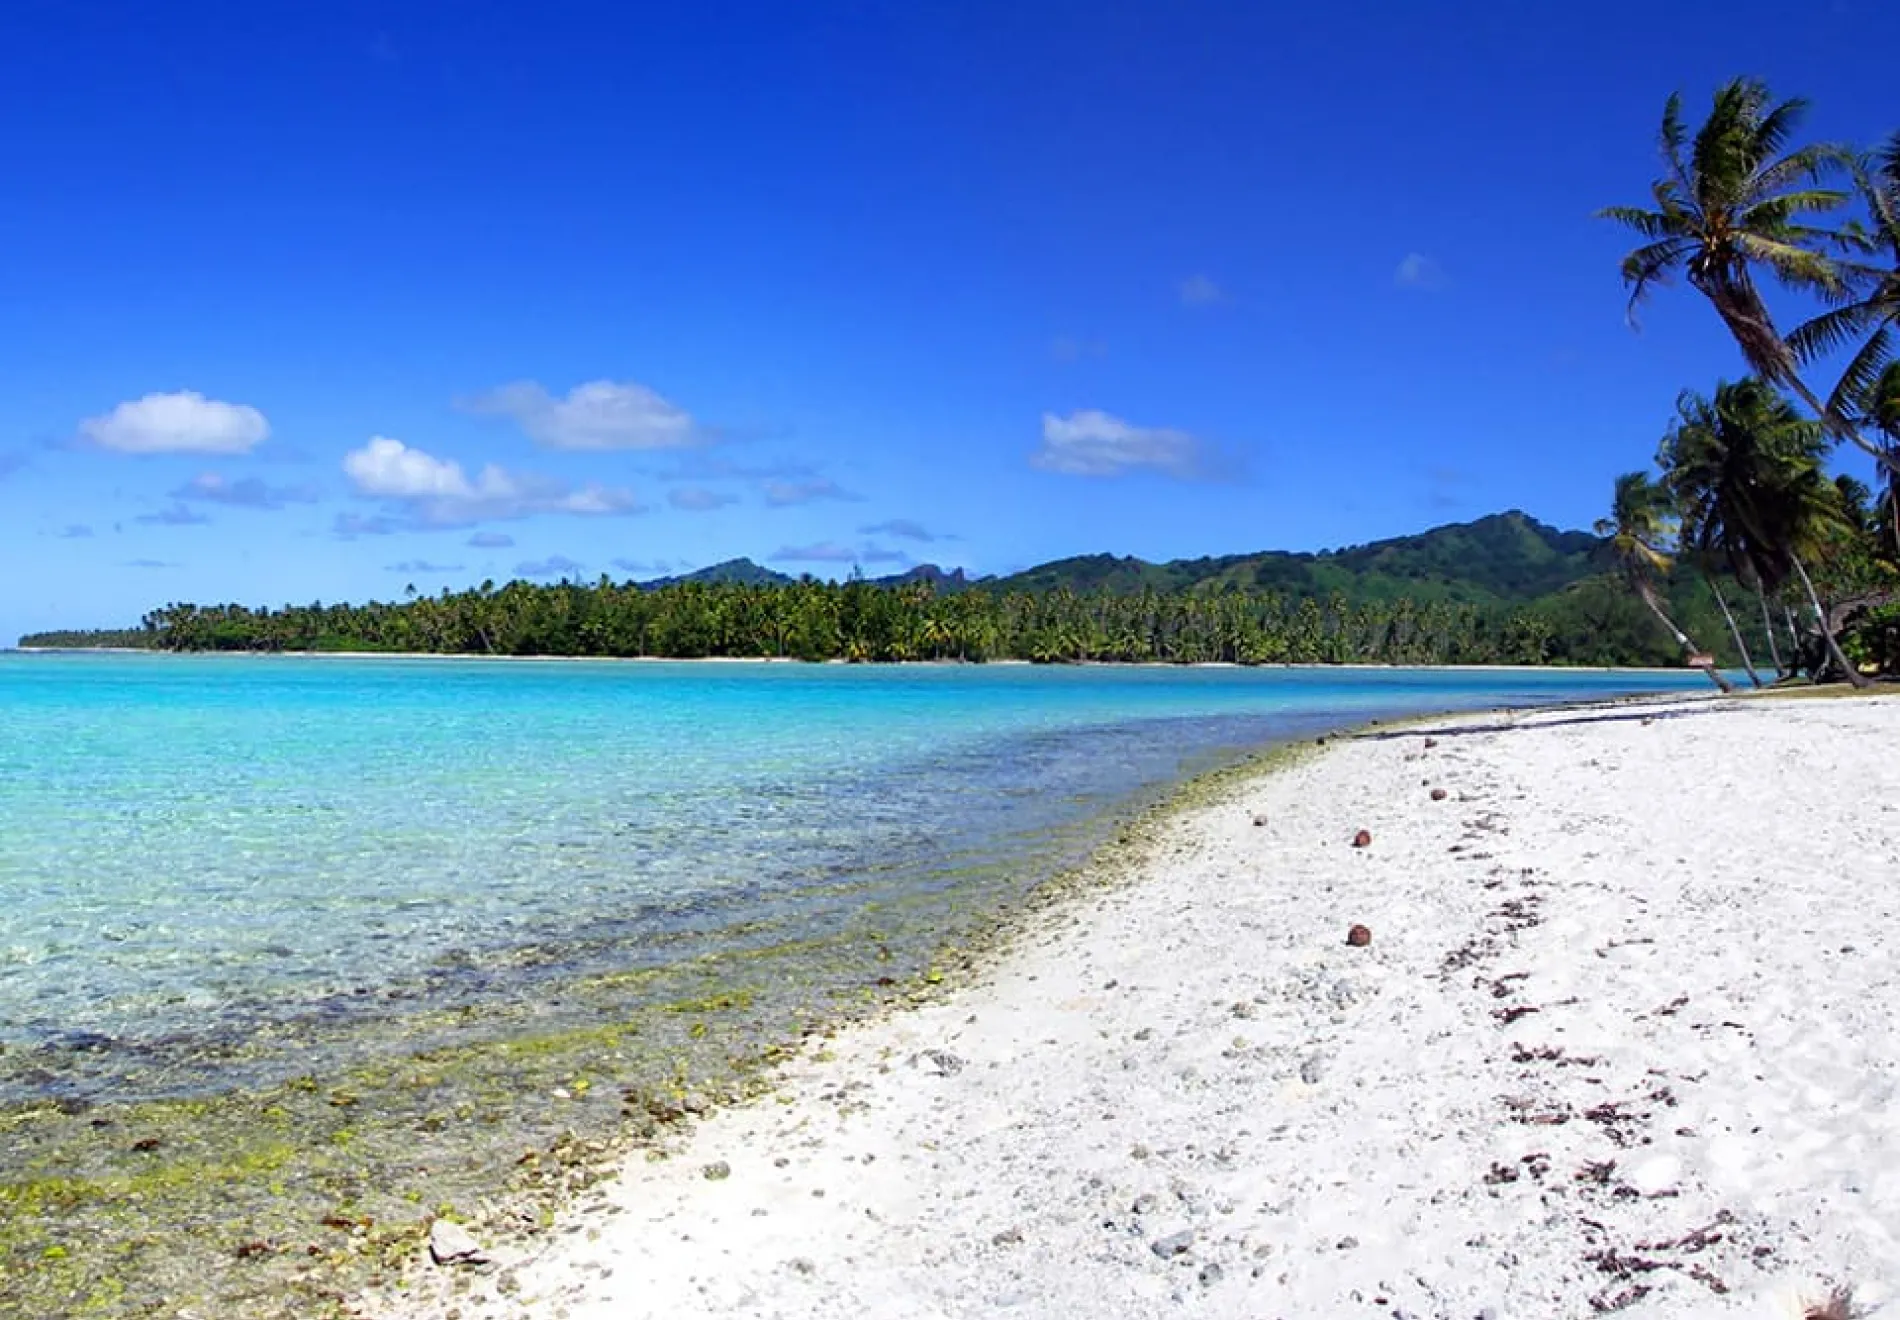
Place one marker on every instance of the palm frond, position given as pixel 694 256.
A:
pixel 1856 391
pixel 1651 265
pixel 1810 165
pixel 1831 331
pixel 1650 224
pixel 1791 263
pixel 1772 130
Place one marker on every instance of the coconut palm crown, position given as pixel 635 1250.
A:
pixel 1734 199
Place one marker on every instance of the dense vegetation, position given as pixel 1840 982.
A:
pixel 1744 490
pixel 1467 593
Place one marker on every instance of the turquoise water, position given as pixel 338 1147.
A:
pixel 194 850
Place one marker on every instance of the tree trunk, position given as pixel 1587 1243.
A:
pixel 1768 631
pixel 1854 675
pixel 1794 633
pixel 1648 593
pixel 1748 661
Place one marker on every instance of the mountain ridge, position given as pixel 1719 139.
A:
pixel 1500 558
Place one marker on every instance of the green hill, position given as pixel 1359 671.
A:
pixel 1505 558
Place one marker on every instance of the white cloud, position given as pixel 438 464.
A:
pixel 438 492
pixel 174 515
pixel 697 499
pixel 1200 291
pixel 421 566
pixel 181 423
pixel 552 566
pixel 907 528
pixel 1418 271
pixel 780 494
pixel 602 414
pixel 491 540
pixel 831 552
pixel 247 493
pixel 1091 443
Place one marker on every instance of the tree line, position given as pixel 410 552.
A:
pixel 1591 623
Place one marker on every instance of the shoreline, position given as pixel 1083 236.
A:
pixel 1672 670
pixel 859 1093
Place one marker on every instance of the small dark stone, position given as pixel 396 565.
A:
pixel 1210 1274
pixel 1174 1244
pixel 1363 839
pixel 1439 795
pixel 1260 819
pixel 1431 742
pixel 1359 937
pixel 1009 1237
pixel 717 1171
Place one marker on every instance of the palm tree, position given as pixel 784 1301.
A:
pixel 1745 472
pixel 1637 525
pixel 1869 322
pixel 1732 202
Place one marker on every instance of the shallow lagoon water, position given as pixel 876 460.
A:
pixel 196 851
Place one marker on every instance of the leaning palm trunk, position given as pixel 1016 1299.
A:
pixel 1743 312
pixel 1854 676
pixel 1648 593
pixel 1741 647
pixel 1768 631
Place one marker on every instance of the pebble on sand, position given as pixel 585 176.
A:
pixel 1174 1244
pixel 450 1244
pixel 1359 936
pixel 1363 839
pixel 1439 795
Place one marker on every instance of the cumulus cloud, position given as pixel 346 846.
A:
pixel 780 494
pixel 602 414
pixel 491 540
pixel 905 528
pixel 1200 291
pixel 421 566
pixel 1418 271
pixel 75 532
pixel 181 423
pixel 436 492
pixel 552 566
pixel 246 493
pixel 174 515
pixel 697 499
pixel 832 552
pixel 1091 443
pixel 11 463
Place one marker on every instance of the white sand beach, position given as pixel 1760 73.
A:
pixel 1626 1039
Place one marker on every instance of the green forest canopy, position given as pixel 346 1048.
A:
pixel 1502 589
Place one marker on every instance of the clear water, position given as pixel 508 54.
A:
pixel 191 847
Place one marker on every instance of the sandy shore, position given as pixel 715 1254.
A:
pixel 1626 1039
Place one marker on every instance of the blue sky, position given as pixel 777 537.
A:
pixel 311 301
